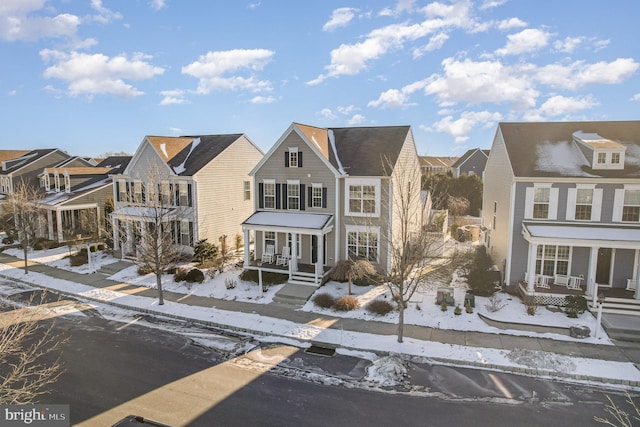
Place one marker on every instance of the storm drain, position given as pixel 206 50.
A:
pixel 321 351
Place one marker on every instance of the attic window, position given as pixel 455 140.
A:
pixel 602 158
pixel 615 158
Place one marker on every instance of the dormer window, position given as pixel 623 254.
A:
pixel 602 158
pixel 605 153
pixel 615 158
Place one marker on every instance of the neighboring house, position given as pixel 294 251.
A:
pixel 472 162
pixel 25 165
pixel 436 165
pixel 202 181
pixel 562 206
pixel 76 195
pixel 324 195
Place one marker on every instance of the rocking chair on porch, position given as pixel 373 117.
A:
pixel 284 257
pixel 267 255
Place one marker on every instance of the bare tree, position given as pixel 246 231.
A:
pixel 151 232
pixel 26 346
pixel 408 239
pixel 23 206
pixel 351 270
pixel 458 206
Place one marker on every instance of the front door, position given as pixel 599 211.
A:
pixel 314 248
pixel 603 269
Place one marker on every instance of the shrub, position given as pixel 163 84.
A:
pixel 79 258
pixel 575 305
pixel 7 240
pixel 204 250
pixel 495 303
pixel 479 276
pixel 379 307
pixel 143 270
pixel 347 303
pixel 180 274
pixel 230 283
pixel 457 311
pixel 194 275
pixel 469 309
pixel 443 306
pixel 42 243
pixel 268 278
pixel 324 300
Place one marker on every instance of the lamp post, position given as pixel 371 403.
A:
pixel 599 317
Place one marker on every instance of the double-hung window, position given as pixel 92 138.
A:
pixel 269 239
pixel 183 194
pixel 293 195
pixel 541 202
pixel 247 190
pixel 584 204
pixel 631 207
pixel 293 157
pixel 552 260
pixel 363 197
pixel 363 243
pixel 316 195
pixel 298 245
pixel 269 189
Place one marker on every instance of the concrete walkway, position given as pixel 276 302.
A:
pixel 292 313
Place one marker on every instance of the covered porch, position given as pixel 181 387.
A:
pixel 293 242
pixel 585 259
pixel 64 223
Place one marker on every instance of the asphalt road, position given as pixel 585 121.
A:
pixel 114 369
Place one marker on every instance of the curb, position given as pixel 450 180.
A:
pixel 536 372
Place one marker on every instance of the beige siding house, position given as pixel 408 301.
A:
pixel 202 181
pixel 24 166
pixel 327 194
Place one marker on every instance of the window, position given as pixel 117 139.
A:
pixel 183 194
pixel 541 202
pixel 584 203
pixel 362 244
pixel 293 195
pixel 631 207
pixel 298 245
pixel 602 158
pixel 362 199
pixel 293 158
pixel 137 192
pixel 615 158
pixel 316 196
pixel 67 183
pixel 552 260
pixel 122 190
pixel 247 190
pixel 56 180
pixel 164 192
pixel 269 238
pixel 186 233
pixel 495 210
pixel 269 189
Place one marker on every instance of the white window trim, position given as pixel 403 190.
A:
pixel 246 190
pixel 618 202
pixel 264 240
pixel 264 193
pixel 313 187
pixel 362 181
pixel 298 244
pixel 553 201
pixel 293 150
pixel 359 229
pixel 293 182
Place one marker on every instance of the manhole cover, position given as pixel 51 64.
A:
pixel 321 351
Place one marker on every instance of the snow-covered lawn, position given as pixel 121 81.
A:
pixel 422 310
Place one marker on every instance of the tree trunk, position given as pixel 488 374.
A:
pixel 350 287
pixel 401 322
pixel 159 286
pixel 25 248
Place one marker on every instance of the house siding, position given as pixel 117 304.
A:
pixel 474 164
pixel 28 172
pixel 220 202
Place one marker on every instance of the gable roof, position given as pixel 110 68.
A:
pixel 11 154
pixel 466 156
pixel 426 161
pixel 547 149
pixel 17 163
pixel 186 155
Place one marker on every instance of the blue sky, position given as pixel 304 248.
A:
pixel 96 76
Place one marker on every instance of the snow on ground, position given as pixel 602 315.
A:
pixel 421 311
pixel 59 257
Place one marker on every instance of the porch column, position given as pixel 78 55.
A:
pixel 320 252
pixel 592 286
pixel 294 252
pixel 636 274
pixel 50 222
pixel 116 234
pixel 246 247
pixel 59 223
pixel 531 267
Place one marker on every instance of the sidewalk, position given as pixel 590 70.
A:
pixel 279 320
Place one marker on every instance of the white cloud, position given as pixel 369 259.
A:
pixel 340 18
pixel 507 24
pixel 478 82
pixel 636 97
pixel 253 6
pixel 600 44
pixel 528 40
pixel 392 99
pixel 28 20
pixel 468 120
pixel 347 110
pixel 173 97
pixel 158 4
pixel 356 119
pixel 215 69
pixel 326 113
pixel 91 74
pixel 568 45
pixel 578 73
pixel 488 4
pixel 105 15
pixel 558 105
pixel 262 100
pixel 435 42
pixel 401 6
pixel 351 59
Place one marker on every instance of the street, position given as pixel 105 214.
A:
pixel 144 367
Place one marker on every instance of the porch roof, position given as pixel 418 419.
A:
pixel 299 220
pixel 142 212
pixel 580 233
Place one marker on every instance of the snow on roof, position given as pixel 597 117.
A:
pixel 289 219
pixel 142 211
pixel 181 167
pixel 620 234
pixel 563 158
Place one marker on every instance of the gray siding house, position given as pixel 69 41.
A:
pixel 201 181
pixel 472 162
pixel 561 204
pixel 323 195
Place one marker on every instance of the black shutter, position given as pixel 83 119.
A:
pixel 191 233
pixel 176 195
pixel 324 197
pixel 285 192
pixel 260 195
pixel 278 194
pixel 160 199
pixel 302 202
pixel 117 191
pixel 286 159
pixel 128 193
pixel 190 197
pixel 299 159
pixel 310 196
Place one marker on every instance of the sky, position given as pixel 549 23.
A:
pixel 96 76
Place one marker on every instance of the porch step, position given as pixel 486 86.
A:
pixel 294 294
pixel 618 306
pixel 622 327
